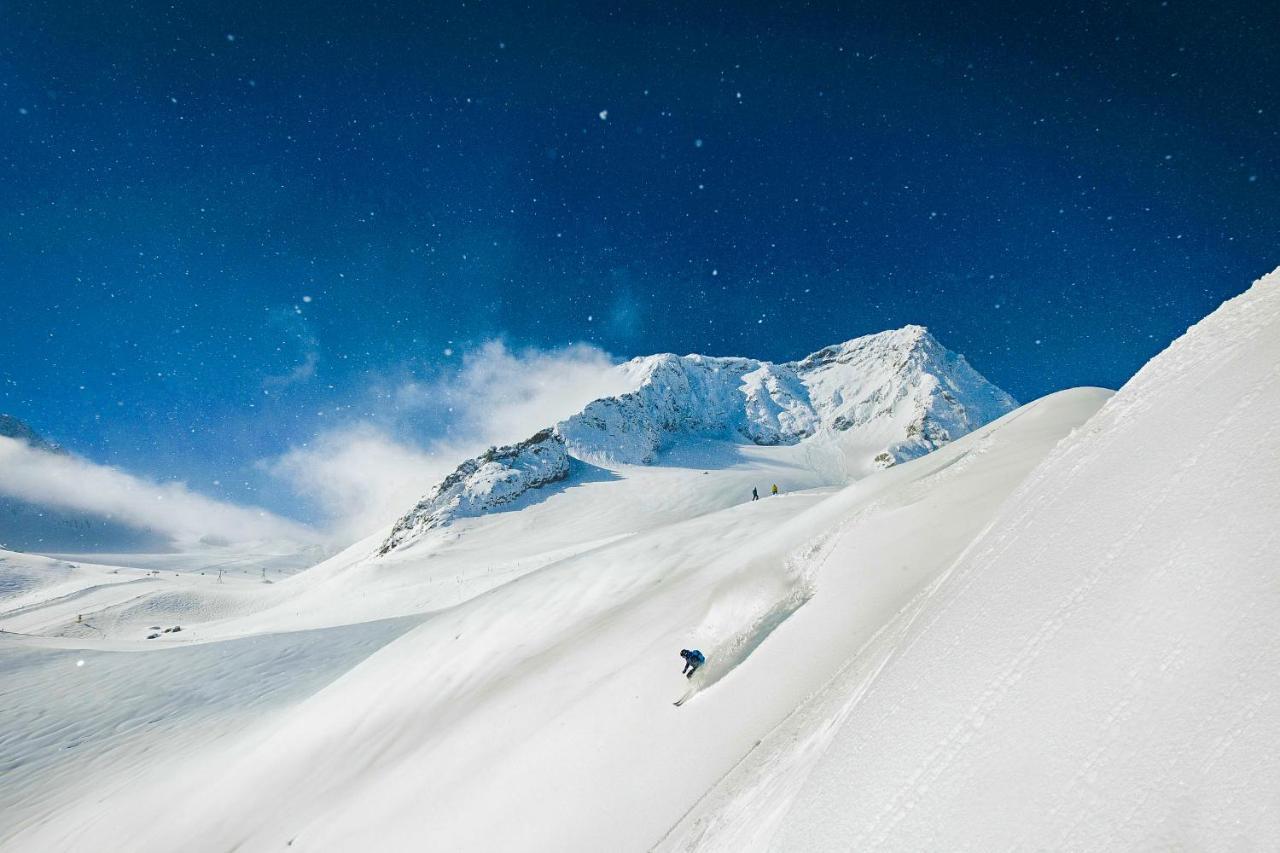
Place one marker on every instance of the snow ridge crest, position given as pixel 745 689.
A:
pixel 903 375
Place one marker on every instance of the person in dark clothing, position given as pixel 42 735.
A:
pixel 755 496
pixel 692 660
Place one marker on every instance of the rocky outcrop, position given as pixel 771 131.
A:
pixel 498 476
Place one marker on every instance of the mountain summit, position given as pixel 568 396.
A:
pixel 869 403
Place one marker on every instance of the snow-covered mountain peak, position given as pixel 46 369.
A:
pixel 931 394
pixel 900 342
pixel 873 401
pixel 907 377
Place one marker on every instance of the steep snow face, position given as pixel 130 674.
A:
pixel 903 378
pixel 1097 672
pixel 908 378
pixel 497 477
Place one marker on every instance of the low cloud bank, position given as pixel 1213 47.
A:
pixel 68 482
pixel 360 476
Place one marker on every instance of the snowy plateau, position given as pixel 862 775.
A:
pixel 962 624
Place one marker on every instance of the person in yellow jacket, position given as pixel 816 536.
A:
pixel 775 488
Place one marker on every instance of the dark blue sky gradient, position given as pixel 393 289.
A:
pixel 1057 192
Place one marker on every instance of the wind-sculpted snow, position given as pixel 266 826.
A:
pixel 496 477
pixel 890 397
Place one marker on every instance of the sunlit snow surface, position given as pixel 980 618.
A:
pixel 554 688
pixel 964 651
pixel 1098 671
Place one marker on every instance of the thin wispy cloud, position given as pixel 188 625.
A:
pixel 300 373
pixel 500 395
pixel 308 347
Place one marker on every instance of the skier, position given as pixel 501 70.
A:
pixel 755 496
pixel 692 660
pixel 775 488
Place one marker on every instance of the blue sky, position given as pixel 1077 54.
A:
pixel 226 231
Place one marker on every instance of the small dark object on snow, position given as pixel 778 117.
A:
pixel 692 660
pixel 152 636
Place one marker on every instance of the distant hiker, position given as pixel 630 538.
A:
pixel 775 488
pixel 755 496
pixel 692 660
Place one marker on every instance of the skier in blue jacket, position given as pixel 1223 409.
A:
pixel 692 660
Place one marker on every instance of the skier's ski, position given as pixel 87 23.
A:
pixel 685 698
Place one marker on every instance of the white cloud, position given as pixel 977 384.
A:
pixel 71 483
pixel 363 477
pixel 294 325
pixel 359 476
pixel 500 396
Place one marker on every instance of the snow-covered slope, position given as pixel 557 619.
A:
pixel 1097 672
pixel 867 403
pixel 1055 631
pixel 538 715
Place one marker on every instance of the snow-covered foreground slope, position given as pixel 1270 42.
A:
pixel 1056 631
pixel 1097 672
pixel 538 714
